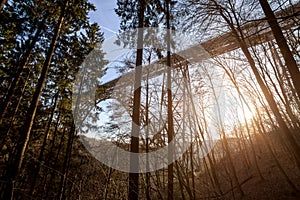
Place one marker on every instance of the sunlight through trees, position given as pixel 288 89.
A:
pixel 206 105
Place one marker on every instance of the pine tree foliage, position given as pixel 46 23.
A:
pixel 246 97
pixel 27 30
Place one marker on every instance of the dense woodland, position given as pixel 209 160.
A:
pixel 239 107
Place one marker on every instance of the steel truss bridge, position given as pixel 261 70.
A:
pixel 255 33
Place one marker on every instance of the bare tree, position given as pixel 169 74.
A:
pixel 289 59
pixel 133 192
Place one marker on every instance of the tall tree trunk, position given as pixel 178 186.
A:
pixel 43 147
pixel 26 129
pixel 133 192
pixel 107 182
pixel 180 180
pixel 66 164
pixel 170 109
pixel 268 96
pixel 23 62
pixel 224 139
pixel 262 132
pixel 290 61
pixel 148 186
pixel 47 183
pixel 243 100
pixel 9 126
pixel 279 65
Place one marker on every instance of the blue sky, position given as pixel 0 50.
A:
pixel 105 16
pixel 109 22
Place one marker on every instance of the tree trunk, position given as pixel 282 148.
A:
pixel 26 129
pixel 290 61
pixel 262 132
pixel 43 148
pixel 133 191
pixel 66 164
pixel 270 99
pixel 224 140
pixel 9 126
pixel 148 186
pixel 22 63
pixel 242 99
pixel 170 109
pixel 47 183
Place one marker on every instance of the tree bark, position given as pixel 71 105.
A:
pixel 270 99
pixel 290 61
pixel 26 129
pixel 43 147
pixel 22 63
pixel 170 109
pixel 133 191
pixel 66 164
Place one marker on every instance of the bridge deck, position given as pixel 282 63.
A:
pixel 256 32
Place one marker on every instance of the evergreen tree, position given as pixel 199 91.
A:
pixel 43 44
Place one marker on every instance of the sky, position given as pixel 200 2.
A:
pixel 105 16
pixel 109 22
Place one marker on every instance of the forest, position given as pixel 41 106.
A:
pixel 206 104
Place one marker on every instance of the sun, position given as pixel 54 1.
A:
pixel 245 113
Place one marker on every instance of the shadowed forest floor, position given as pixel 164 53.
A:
pixel 274 184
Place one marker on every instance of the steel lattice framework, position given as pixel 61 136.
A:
pixel 255 33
